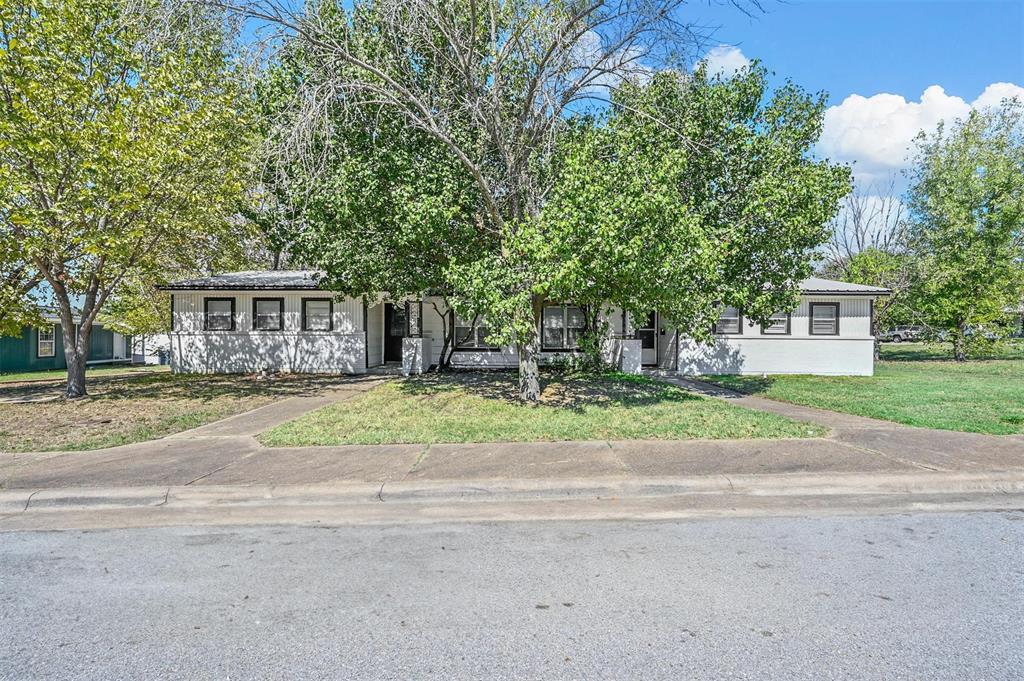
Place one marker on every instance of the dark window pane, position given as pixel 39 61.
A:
pixel 464 336
pixel 554 323
pixel 552 338
pixel 575 322
pixel 481 336
pixel 398 321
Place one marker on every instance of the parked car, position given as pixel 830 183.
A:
pixel 899 334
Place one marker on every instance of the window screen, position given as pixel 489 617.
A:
pixel 575 323
pixel 220 314
pixel 468 337
pixel 729 321
pixel 316 315
pixel 268 314
pixel 778 325
pixel 46 346
pixel 824 319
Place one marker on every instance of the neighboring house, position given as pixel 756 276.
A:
pixel 38 349
pixel 283 321
pixel 151 348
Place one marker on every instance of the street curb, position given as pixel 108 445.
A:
pixel 762 486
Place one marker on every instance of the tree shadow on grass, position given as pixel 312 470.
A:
pixel 572 392
pixel 191 387
pixel 749 385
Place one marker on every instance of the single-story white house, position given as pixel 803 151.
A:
pixel 283 321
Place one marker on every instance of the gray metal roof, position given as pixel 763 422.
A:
pixel 290 280
pixel 817 285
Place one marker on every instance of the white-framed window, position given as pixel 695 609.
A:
pixel 466 336
pixel 777 325
pixel 730 321
pixel 267 314
pixel 317 314
pixel 561 327
pixel 824 319
pixel 46 342
pixel 219 314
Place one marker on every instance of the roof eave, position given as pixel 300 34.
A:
pixel 238 287
pixel 816 292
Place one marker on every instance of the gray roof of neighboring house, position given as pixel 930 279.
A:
pixel 816 285
pixel 293 280
pixel 247 281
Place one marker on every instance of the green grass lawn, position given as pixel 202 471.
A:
pixel 124 409
pixel 482 407
pixel 94 371
pixel 915 385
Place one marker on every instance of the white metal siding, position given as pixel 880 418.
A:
pixel 196 350
pixel 849 353
pixel 349 347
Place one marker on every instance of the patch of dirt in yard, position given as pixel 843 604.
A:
pixel 120 410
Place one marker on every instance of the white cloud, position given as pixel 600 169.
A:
pixel 725 60
pixel 877 132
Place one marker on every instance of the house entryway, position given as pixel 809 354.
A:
pixel 647 332
pixel 395 328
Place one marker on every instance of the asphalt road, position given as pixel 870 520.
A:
pixel 891 597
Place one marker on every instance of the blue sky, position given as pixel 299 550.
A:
pixel 894 46
pixel 890 67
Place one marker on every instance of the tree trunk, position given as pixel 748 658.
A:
pixel 959 351
pixel 76 351
pixel 447 334
pixel 529 351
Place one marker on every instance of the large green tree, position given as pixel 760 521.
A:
pixel 492 85
pixel 692 193
pixel 123 131
pixel 967 231
pixel 375 203
pixel 469 137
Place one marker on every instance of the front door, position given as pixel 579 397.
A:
pixel 394 332
pixel 647 332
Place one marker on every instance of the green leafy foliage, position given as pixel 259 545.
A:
pixel 123 133
pixel 690 194
pixel 967 202
pixel 455 148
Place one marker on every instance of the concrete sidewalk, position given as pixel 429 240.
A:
pixel 226 453
pixel 225 456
